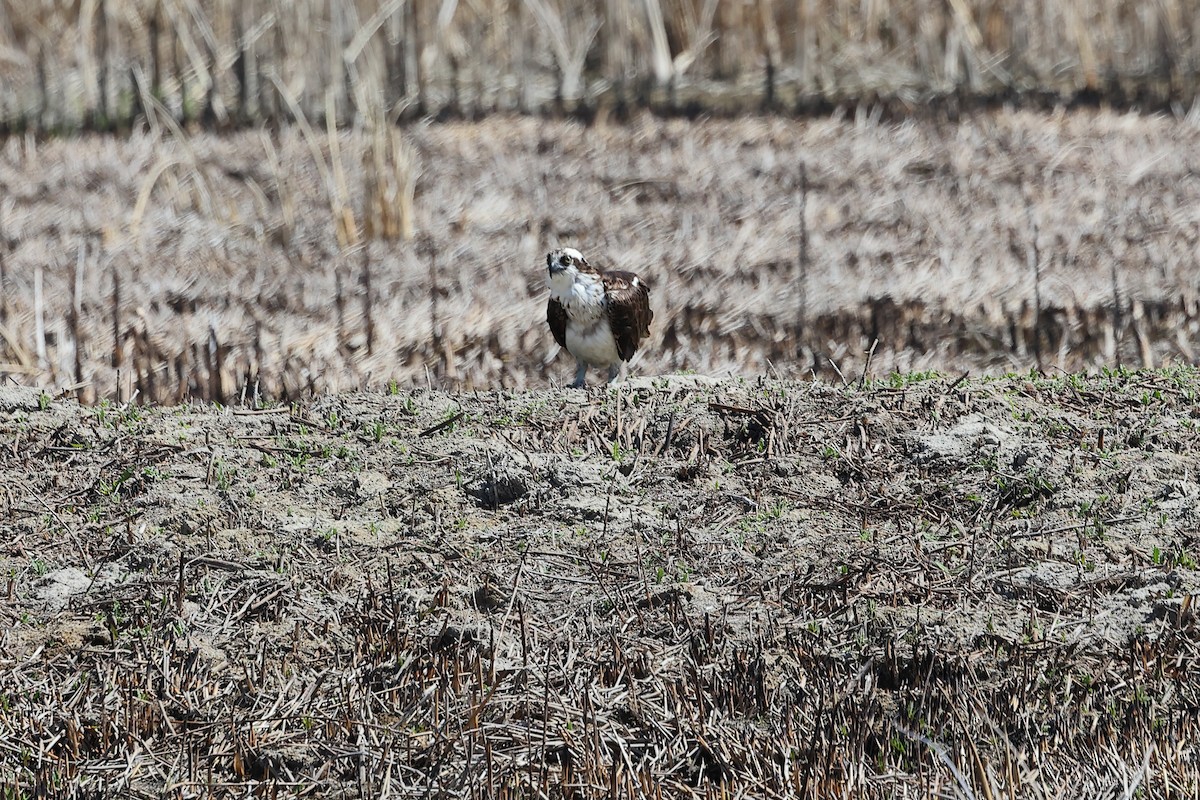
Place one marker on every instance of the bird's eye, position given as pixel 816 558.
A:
pixel 565 260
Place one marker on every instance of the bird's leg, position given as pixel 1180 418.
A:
pixel 614 372
pixel 580 374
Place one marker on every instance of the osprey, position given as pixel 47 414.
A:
pixel 600 316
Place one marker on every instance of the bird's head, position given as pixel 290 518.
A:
pixel 565 264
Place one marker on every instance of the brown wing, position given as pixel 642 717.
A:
pixel 628 310
pixel 556 315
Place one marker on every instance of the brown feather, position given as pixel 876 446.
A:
pixel 629 311
pixel 556 315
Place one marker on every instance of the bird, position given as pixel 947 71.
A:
pixel 599 316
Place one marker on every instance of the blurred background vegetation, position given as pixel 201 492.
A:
pixel 98 63
pixel 261 226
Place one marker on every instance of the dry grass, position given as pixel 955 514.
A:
pixel 272 265
pixel 955 589
pixel 102 63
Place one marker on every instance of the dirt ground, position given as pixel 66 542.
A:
pixel 681 587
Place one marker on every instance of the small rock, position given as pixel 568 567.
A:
pixel 961 443
pixel 368 485
pixel 61 586
pixel 20 398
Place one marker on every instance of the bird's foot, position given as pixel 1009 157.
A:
pixel 580 376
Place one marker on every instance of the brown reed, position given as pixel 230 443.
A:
pixel 69 65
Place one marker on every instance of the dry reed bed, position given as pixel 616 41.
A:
pixel 685 588
pixel 102 63
pixel 166 266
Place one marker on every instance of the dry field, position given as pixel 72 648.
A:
pixel 800 554
pixel 681 588
pixel 264 265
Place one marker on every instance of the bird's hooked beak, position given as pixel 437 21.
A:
pixel 553 264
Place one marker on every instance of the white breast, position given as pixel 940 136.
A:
pixel 581 295
pixel 593 344
pixel 589 337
